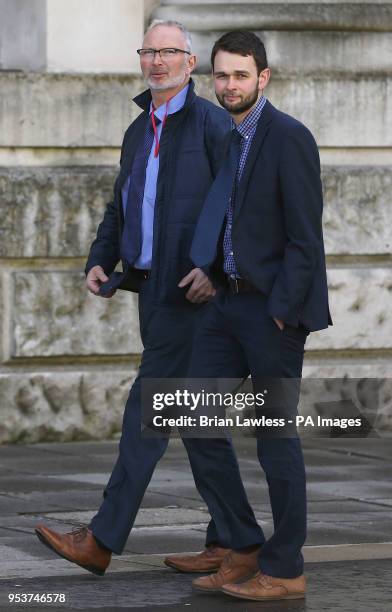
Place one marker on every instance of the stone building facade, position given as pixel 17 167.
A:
pixel 67 77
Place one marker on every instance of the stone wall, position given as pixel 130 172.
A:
pixel 67 358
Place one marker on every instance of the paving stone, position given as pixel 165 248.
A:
pixel 371 449
pixel 320 533
pixel 13 554
pixel 357 586
pixel 143 541
pixel 10 451
pixel 381 519
pixel 56 465
pixel 10 504
pixel 24 542
pixel 343 473
pixel 25 484
pixel 383 501
pixel 146 516
pixel 84 448
pixel 355 507
pixel 26 523
pixel 346 460
pixel 36 501
pixel 7 533
pixel 362 490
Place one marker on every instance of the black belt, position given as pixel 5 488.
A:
pixel 239 285
pixel 144 274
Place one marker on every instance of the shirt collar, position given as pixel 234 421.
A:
pixel 175 104
pixel 247 127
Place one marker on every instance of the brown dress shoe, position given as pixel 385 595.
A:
pixel 78 546
pixel 235 566
pixel 207 561
pixel 264 588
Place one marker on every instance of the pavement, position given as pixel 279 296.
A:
pixel 348 552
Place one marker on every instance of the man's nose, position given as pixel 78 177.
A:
pixel 231 83
pixel 157 58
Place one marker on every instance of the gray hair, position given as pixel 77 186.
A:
pixel 173 24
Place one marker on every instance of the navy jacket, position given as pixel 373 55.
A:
pixel 189 157
pixel 277 226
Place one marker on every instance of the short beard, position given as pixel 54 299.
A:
pixel 240 107
pixel 169 84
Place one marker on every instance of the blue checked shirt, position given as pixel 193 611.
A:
pixel 247 130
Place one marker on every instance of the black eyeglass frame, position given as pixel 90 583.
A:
pixel 138 51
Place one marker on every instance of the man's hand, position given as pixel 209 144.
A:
pixel 201 289
pixel 94 280
pixel 279 323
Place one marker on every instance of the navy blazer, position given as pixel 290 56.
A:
pixel 277 227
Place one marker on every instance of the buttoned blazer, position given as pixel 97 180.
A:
pixel 277 226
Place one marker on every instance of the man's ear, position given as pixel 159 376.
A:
pixel 264 78
pixel 192 61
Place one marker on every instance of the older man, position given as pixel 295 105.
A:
pixel 169 158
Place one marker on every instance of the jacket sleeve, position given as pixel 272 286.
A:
pixel 105 249
pixel 216 132
pixel 301 190
pixel 216 136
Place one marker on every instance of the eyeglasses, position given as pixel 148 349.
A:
pixel 166 53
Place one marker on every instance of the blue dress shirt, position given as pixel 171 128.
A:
pixel 150 187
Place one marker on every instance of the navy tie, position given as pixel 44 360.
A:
pixel 205 241
pixel 131 240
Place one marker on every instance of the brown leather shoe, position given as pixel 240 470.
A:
pixel 264 588
pixel 78 546
pixel 235 566
pixel 207 561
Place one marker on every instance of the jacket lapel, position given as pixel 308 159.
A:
pixel 261 132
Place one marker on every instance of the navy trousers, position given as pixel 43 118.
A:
pixel 167 333
pixel 237 336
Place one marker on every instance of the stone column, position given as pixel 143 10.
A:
pixel 71 35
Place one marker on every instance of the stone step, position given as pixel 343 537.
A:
pixel 53 212
pixel 310 52
pixel 94 110
pixel 280 16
